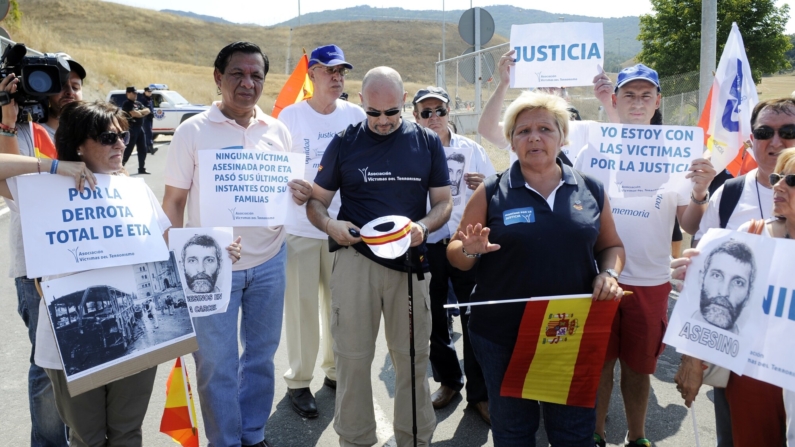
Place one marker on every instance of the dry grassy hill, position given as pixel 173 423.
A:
pixel 121 45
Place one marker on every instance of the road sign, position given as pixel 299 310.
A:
pixel 466 26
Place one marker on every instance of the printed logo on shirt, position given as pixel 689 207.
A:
pixel 384 176
pixel 518 215
pixel 578 205
pixel 325 135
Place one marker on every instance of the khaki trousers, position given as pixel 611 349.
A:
pixel 361 291
pixel 110 415
pixel 307 292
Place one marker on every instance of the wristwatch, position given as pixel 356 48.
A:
pixel 613 274
pixel 424 231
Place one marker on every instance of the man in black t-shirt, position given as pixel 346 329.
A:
pixel 136 113
pixel 382 166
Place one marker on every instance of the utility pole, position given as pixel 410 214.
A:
pixel 443 32
pixel 709 45
pixel 299 12
pixel 287 61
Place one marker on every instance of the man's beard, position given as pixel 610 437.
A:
pixel 202 282
pixel 719 311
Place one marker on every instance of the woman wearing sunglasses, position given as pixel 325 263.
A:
pixel 773 419
pixel 91 138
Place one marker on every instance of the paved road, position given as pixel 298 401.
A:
pixel 668 423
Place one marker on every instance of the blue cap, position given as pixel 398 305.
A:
pixel 639 71
pixel 329 55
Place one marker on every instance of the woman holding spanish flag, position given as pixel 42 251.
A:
pixel 538 229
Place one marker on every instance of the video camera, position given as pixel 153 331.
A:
pixel 39 77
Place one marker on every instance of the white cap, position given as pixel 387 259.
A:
pixel 388 237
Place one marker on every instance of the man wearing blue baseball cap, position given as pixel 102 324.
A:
pixel 312 125
pixel 641 320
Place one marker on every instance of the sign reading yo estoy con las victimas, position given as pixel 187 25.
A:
pixel 66 230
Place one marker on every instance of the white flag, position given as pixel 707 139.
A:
pixel 733 99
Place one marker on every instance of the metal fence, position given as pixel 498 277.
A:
pixel 457 75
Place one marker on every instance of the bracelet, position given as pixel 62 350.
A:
pixel 699 202
pixel 8 129
pixel 327 222
pixel 54 166
pixel 7 134
pixel 469 255
pixel 38 164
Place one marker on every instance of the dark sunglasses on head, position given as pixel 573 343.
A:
pixel 789 179
pixel 377 113
pixel 343 71
pixel 425 114
pixel 110 138
pixel 766 132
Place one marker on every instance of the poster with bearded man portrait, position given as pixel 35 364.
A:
pixel 722 300
pixel 205 267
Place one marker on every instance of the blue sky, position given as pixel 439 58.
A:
pixel 269 13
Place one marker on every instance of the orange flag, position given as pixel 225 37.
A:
pixel 42 143
pixel 179 416
pixel 560 351
pixel 743 162
pixel 297 88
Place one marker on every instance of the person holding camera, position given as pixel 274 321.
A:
pixel 135 117
pixel 35 140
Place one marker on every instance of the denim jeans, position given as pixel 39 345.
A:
pixel 47 429
pixel 236 390
pixel 514 421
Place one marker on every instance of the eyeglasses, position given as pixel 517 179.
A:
pixel 342 71
pixel 789 179
pixel 766 132
pixel 425 114
pixel 377 113
pixel 110 138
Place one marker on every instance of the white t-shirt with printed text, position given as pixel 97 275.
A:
pixel 311 133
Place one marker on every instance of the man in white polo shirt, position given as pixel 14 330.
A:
pixel 236 391
pixel 312 125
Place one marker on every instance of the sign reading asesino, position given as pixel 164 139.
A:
pixel 246 188
pixel 67 230
pixel 637 160
pixel 556 54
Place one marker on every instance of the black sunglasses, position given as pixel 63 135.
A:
pixel 425 114
pixel 789 179
pixel 110 138
pixel 377 113
pixel 766 132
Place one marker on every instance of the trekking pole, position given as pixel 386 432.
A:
pixel 411 349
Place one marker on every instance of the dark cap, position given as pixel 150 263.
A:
pixel 131 90
pixel 328 55
pixel 73 65
pixel 636 72
pixel 432 92
pixel 147 89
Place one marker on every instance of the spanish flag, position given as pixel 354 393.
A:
pixel 297 88
pixel 42 143
pixel 560 351
pixel 179 416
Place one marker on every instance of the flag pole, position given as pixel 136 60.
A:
pixel 524 300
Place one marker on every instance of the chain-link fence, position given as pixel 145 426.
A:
pixel 457 75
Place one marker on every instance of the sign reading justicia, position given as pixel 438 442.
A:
pixel 556 54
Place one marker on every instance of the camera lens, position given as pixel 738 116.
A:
pixel 40 81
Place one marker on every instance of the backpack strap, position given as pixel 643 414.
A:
pixel 732 190
pixel 757 225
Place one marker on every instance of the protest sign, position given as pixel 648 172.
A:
pixel 458 161
pixel 66 230
pixel 556 54
pixel 641 161
pixel 721 300
pixel 110 323
pixel 204 266
pixel 246 188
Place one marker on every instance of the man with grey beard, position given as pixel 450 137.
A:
pixel 201 257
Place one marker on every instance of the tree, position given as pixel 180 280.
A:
pixel 671 38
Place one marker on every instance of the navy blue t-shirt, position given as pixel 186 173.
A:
pixel 383 175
